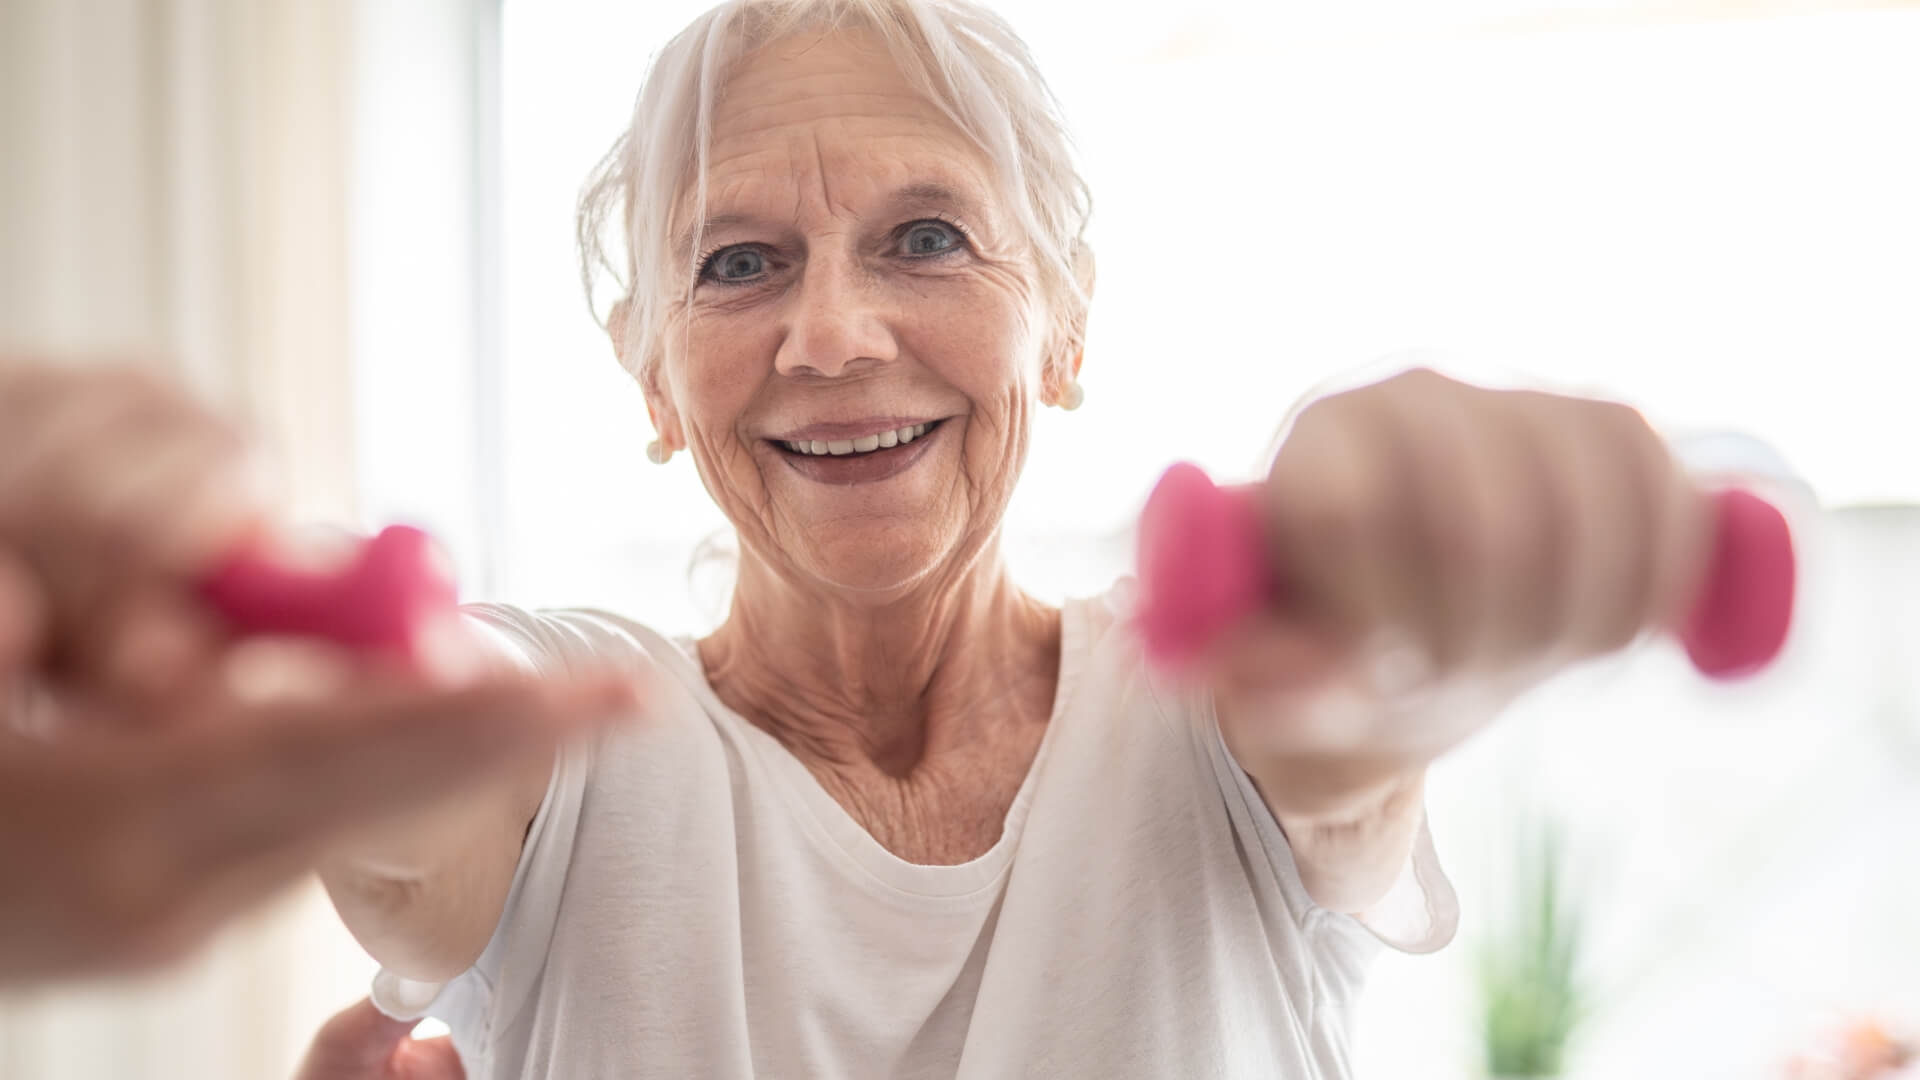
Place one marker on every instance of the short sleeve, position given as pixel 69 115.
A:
pixel 1420 912
pixel 502 980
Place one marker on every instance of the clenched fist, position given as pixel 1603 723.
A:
pixel 1443 547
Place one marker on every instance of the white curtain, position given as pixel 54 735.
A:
pixel 173 188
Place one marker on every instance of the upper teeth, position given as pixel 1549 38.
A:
pixel 861 445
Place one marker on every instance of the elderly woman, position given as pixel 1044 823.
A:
pixel 896 817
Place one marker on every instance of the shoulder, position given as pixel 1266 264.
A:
pixel 558 639
pixel 679 715
pixel 1104 659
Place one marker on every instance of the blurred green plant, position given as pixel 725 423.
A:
pixel 1531 996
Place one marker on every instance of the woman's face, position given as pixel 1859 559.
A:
pixel 858 366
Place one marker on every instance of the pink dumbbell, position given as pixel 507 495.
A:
pixel 1204 565
pixel 380 600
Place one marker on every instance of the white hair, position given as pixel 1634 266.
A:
pixel 964 58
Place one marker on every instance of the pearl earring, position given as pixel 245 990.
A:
pixel 658 453
pixel 1072 396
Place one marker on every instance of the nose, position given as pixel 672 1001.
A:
pixel 836 322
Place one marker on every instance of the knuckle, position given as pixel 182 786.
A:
pixel 1618 632
pixel 1321 417
pixel 1621 421
pixel 1356 517
pixel 1420 378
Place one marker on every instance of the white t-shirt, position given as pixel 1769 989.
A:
pixel 691 902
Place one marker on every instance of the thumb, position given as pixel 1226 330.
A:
pixel 426 1059
pixel 355 1044
pixel 1269 654
pixel 22 618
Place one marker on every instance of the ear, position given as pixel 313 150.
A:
pixel 1064 359
pixel 1059 372
pixel 660 411
pixel 617 330
pixel 1083 268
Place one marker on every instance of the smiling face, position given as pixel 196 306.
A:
pixel 856 370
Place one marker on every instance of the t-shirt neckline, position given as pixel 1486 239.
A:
pixel 844 840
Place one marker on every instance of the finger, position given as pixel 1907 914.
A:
pixel 183 506
pixel 1608 464
pixel 123 543
pixel 1386 572
pixel 359 1038
pixel 284 775
pixel 50 414
pixel 174 503
pixel 158 644
pixel 95 436
pixel 51 710
pixel 1337 515
pixel 1530 567
pixel 273 671
pixel 1267 655
pixel 198 824
pixel 22 641
pixel 1683 530
pixel 427 1059
pixel 1468 523
pixel 22 619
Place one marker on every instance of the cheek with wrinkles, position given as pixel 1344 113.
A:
pixel 992 461
pixel 970 325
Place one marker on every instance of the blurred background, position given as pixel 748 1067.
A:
pixel 351 222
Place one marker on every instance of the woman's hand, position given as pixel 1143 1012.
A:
pixel 362 1043
pixel 158 777
pixel 1443 547
pixel 128 851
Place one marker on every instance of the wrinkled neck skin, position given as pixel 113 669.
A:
pixel 885 681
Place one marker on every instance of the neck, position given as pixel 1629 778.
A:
pixel 847 678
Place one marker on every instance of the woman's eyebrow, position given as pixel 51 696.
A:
pixel 922 193
pixel 935 193
pixel 683 241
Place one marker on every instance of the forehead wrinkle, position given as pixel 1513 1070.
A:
pixel 848 138
pixel 856 64
pixel 737 119
pixel 820 171
pixel 743 190
pixel 793 107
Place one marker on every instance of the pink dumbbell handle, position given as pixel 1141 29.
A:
pixel 1204 566
pixel 380 600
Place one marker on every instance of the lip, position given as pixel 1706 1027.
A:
pixel 852 429
pixel 869 468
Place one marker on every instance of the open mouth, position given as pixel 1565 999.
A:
pixel 860 460
pixel 861 447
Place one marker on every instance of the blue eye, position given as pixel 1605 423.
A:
pixel 923 238
pixel 734 264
